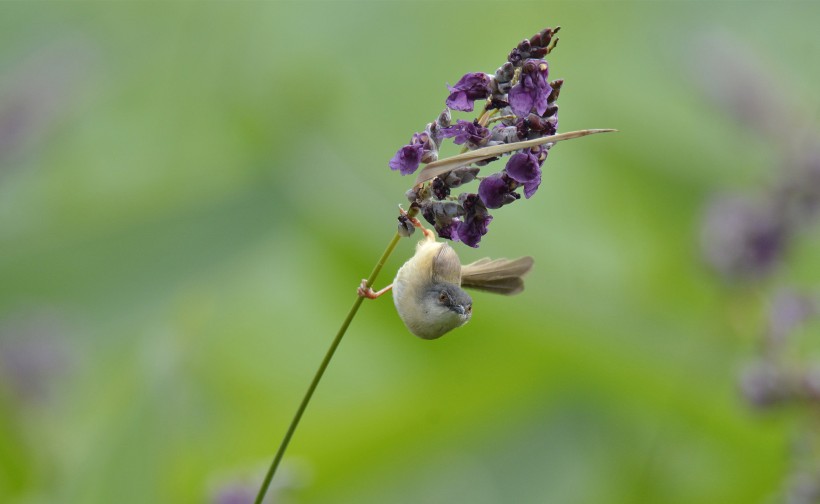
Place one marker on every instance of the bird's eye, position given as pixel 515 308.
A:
pixel 469 309
pixel 442 297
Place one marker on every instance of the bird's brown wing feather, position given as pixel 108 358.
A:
pixel 446 265
pixel 500 276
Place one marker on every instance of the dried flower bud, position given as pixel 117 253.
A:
pixel 412 194
pixel 505 73
pixel 445 118
pixel 534 126
pixel 406 228
pixel 556 90
pixel 544 38
pixel 460 176
pixel 440 188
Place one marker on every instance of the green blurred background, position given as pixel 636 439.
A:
pixel 191 192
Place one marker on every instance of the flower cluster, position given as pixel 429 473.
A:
pixel 519 104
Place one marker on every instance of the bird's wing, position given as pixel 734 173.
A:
pixel 446 265
pixel 500 276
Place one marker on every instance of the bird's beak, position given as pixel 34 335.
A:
pixel 459 309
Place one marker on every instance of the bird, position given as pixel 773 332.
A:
pixel 428 290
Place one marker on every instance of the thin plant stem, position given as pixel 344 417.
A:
pixel 323 366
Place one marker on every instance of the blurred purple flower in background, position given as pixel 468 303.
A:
pixel 789 310
pixel 238 493
pixel 242 487
pixel 742 238
pixel 34 356
pixel 37 91
pixel 746 239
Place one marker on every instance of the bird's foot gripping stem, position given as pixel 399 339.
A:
pixel 366 292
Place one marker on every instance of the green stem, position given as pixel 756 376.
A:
pixel 319 372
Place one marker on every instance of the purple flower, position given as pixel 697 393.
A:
pixel 532 89
pixel 497 190
pixel 532 186
pixel 470 231
pixel 407 159
pixel 471 87
pixel 449 230
pixel 523 167
pixel 421 149
pixel 468 132
pixel 443 215
pixel 744 239
pixel 476 220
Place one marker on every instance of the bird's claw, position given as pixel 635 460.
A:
pixel 365 291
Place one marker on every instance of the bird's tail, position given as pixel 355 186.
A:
pixel 500 276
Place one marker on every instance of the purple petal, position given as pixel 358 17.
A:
pixel 471 87
pixel 476 219
pixel 532 90
pixel 497 190
pixel 541 99
pixel 458 101
pixel 467 132
pixel 531 187
pixel 491 190
pixel 477 85
pixel 449 231
pixel 470 231
pixel 523 167
pixel 521 101
pixel 407 159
